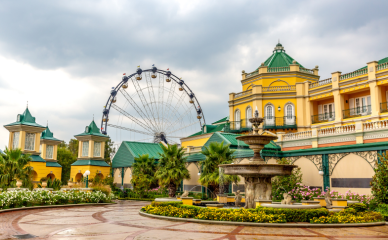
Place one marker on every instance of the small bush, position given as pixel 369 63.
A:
pixel 296 215
pixel 359 207
pixel 163 204
pixel 349 216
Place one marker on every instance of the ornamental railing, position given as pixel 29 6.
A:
pixel 368 126
pixel 252 73
pixel 324 117
pixel 238 126
pixel 354 74
pixel 278 69
pixel 241 94
pixel 306 70
pixel 337 130
pixel 357 112
pixel 297 135
pixel 384 107
pixel 382 66
pixel 287 122
pixel 320 83
pixel 279 88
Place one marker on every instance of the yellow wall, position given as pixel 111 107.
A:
pixel 42 171
pixel 281 103
pixel 105 171
pixel 195 143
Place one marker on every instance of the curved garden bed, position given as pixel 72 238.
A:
pixel 262 216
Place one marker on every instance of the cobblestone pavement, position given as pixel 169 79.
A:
pixel 122 221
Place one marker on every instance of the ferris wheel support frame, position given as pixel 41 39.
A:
pixel 168 74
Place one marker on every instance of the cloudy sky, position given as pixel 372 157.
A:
pixel 63 57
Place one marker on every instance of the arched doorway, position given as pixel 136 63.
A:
pixel 248 115
pixel 51 176
pixel 78 177
pixel 237 119
pixel 270 115
pixel 289 113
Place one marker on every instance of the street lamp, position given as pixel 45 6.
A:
pixel 86 174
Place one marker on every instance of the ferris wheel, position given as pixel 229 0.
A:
pixel 151 105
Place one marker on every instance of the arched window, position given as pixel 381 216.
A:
pixel 269 115
pixel 248 115
pixel 237 119
pixel 289 114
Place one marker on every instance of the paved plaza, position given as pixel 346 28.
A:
pixel 122 221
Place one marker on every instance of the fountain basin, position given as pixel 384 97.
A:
pixel 257 170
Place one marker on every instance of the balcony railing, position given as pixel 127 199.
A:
pixel 382 66
pixel 357 112
pixel 325 117
pixel 238 126
pixel 241 94
pixel 384 107
pixel 278 69
pixel 286 122
pixel 354 74
pixel 320 83
pixel 306 70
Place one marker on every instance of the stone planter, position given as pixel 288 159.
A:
pixel 305 202
pixel 222 198
pixel 351 202
pixel 339 202
pixel 90 184
pixel 44 184
pixel 70 184
pixel 214 205
pixel 260 202
pixel 321 201
pixel 19 183
pixel 197 201
pixel 187 200
pixel 230 199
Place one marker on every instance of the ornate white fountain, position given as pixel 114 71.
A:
pixel 257 173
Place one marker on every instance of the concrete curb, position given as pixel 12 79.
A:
pixel 54 206
pixel 308 225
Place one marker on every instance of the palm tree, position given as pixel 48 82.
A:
pixel 15 165
pixel 216 154
pixel 146 167
pixel 171 168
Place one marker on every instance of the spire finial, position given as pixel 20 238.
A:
pixel 47 123
pixel 93 116
pixel 27 104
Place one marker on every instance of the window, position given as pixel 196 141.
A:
pixel 248 116
pixel 85 148
pixel 326 112
pixel 15 142
pixel 360 105
pixel 97 149
pixel 49 151
pixel 237 119
pixel 30 142
pixel 289 114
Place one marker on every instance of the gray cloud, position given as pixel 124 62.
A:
pixel 98 40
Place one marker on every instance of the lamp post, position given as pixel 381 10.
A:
pixel 86 174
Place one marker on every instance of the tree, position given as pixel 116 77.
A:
pixel 216 154
pixel 109 151
pixel 171 168
pixel 65 159
pixel 379 183
pixel 15 165
pixel 73 146
pixel 284 184
pixel 143 174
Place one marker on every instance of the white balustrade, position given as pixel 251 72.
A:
pixel 297 135
pixel 337 130
pixel 368 126
pixel 279 88
pixel 240 94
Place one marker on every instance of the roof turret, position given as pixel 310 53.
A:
pixel 47 134
pixel 25 119
pixel 92 129
pixel 279 58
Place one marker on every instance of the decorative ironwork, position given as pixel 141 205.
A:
pixel 369 156
pixel 316 159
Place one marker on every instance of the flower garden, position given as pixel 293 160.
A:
pixel 17 199
pixel 356 213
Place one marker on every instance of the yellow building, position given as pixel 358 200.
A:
pixel 38 141
pixel 91 152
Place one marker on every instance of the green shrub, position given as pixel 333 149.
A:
pixel 379 183
pixel 163 204
pixel 383 209
pixel 349 216
pixel 170 211
pixel 359 207
pixel 296 215
pixel 102 189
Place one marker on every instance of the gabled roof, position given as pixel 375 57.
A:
pixel 37 158
pixel 47 134
pixel 86 162
pixel 93 130
pixel 221 120
pixel 53 164
pixel 210 129
pixel 128 151
pixel 25 119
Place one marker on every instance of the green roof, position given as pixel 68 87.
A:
pixel 37 158
pixel 25 119
pixel 195 157
pixel 210 129
pixel 90 162
pixel 128 151
pixel 53 164
pixel 279 58
pixel 221 120
pixel 92 129
pixel 47 134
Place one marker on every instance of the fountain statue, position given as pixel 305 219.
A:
pixel 257 174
